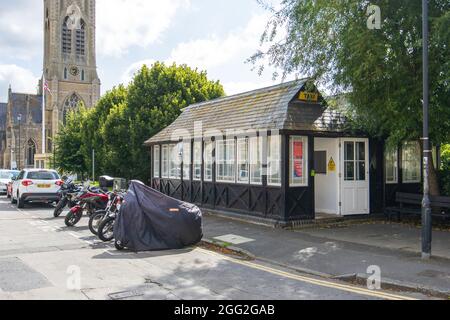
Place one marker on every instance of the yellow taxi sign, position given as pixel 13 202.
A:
pixel 308 96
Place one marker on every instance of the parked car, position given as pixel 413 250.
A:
pixel 36 185
pixel 6 177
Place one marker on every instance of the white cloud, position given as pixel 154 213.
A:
pixel 223 57
pixel 21 80
pixel 121 25
pixel 214 51
pixel 21 28
pixel 133 68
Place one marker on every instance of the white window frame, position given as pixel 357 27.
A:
pixel 197 161
pixel 391 155
pixel 208 160
pixel 156 162
pixel 255 142
pixel 165 161
pixel 406 145
pixel 187 161
pixel 175 161
pixel 273 160
pixel 305 160
pixel 242 159
pixel 226 156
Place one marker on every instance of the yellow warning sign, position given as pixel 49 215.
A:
pixel 331 165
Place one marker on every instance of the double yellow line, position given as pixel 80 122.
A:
pixel 322 283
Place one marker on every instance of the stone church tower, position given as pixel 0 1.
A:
pixel 70 71
pixel 70 66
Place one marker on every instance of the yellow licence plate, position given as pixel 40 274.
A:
pixel 44 186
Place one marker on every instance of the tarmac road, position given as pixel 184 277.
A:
pixel 41 259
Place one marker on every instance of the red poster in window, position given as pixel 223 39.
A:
pixel 298 159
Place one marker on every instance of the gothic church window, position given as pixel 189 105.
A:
pixel 31 152
pixel 66 38
pixel 71 103
pixel 81 40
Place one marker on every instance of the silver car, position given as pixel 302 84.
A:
pixel 6 177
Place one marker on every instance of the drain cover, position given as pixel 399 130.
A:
pixel 125 295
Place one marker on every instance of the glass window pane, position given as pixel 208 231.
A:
pixel 411 165
pixel 391 166
pixel 361 151
pixel 197 174
pixel 349 168
pixel 187 161
pixel 361 171
pixel 256 160
pixel 243 165
pixel 208 158
pixel 156 160
pixel 226 157
pixel 274 160
pixel 349 151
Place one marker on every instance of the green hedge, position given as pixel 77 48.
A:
pixel 445 171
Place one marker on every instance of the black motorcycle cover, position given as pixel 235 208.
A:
pixel 150 221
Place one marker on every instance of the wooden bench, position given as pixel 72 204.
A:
pixel 411 204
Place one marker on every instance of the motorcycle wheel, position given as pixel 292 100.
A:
pixel 106 229
pixel 72 219
pixel 60 207
pixel 118 245
pixel 95 220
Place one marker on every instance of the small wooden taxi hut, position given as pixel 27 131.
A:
pixel 280 154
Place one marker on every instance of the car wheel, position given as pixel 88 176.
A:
pixel 20 202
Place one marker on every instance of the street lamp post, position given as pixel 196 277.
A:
pixel 19 118
pixel 426 204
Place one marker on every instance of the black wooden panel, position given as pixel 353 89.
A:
pixel 257 202
pixel 376 169
pixel 239 197
pixel 196 192
pixel 274 202
pixel 221 195
pixel 299 204
pixel 187 191
pixel 208 195
pixel 175 189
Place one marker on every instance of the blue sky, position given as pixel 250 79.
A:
pixel 213 35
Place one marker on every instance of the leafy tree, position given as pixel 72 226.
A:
pixel 381 70
pixel 69 156
pixel 125 118
pixel 93 134
pixel 156 97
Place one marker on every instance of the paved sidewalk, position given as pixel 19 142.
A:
pixel 343 251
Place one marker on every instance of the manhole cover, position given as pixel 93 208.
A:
pixel 434 274
pixel 125 295
pixel 234 239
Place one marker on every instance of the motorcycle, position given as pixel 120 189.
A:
pixel 106 226
pixel 97 218
pixel 89 201
pixel 67 193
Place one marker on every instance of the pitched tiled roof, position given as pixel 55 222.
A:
pixel 272 108
pixel 19 106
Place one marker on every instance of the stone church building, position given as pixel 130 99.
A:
pixel 70 71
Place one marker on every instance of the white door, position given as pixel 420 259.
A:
pixel 355 195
